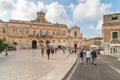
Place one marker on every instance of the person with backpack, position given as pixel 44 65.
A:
pixel 94 56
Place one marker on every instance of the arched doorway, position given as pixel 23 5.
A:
pixel 47 43
pixel 75 45
pixel 34 44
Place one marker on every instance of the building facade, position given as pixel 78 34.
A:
pixel 39 32
pixel 111 33
pixel 95 42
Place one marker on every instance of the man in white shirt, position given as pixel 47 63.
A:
pixel 88 57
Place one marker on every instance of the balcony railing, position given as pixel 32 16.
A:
pixel 115 40
pixel 40 36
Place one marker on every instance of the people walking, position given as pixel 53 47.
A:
pixel 48 52
pixel 52 51
pixel 42 51
pixel 81 56
pixel 94 56
pixel 88 57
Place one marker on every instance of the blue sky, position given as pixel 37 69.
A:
pixel 87 14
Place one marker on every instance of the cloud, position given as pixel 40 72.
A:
pixel 90 10
pixel 99 25
pixel 55 13
pixel 91 26
pixel 26 10
pixel 5 8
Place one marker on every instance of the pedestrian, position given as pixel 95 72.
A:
pixel 42 51
pixel 81 56
pixel 63 50
pixel 52 51
pixel 6 51
pixel 48 53
pixel 88 57
pixel 94 56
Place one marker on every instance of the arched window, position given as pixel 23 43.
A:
pixel 13 31
pixel 53 33
pixel 47 33
pixel 3 30
pixel 41 33
pixel 75 34
pixel 53 41
pixel 34 33
pixel 26 31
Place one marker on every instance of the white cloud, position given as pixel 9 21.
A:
pixel 5 8
pixel 99 28
pixel 26 10
pixel 91 26
pixel 99 25
pixel 72 6
pixel 55 13
pixel 90 10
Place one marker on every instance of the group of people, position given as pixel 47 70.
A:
pixel 90 56
pixel 48 51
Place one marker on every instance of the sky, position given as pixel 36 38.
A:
pixel 86 14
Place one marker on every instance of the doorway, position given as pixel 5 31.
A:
pixel 34 44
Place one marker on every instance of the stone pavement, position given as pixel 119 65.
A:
pixel 107 68
pixel 31 65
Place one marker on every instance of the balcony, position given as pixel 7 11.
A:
pixel 115 40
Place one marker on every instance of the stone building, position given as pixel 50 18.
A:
pixel 96 41
pixel 111 33
pixel 39 32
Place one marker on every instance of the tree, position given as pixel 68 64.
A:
pixel 3 45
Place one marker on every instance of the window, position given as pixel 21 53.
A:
pixel 26 31
pixel 34 33
pixel 3 31
pixel 53 41
pixel 20 31
pixel 47 33
pixel 115 18
pixel 58 33
pixel 75 34
pixel 53 33
pixel 63 40
pixel 59 41
pixel 114 36
pixel 63 33
pixel 13 31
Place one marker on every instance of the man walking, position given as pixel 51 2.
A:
pixel 88 57
pixel 94 56
pixel 48 53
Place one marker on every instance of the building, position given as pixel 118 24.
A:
pixel 39 32
pixel 111 33
pixel 96 42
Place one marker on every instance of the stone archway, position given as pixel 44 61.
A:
pixel 34 44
